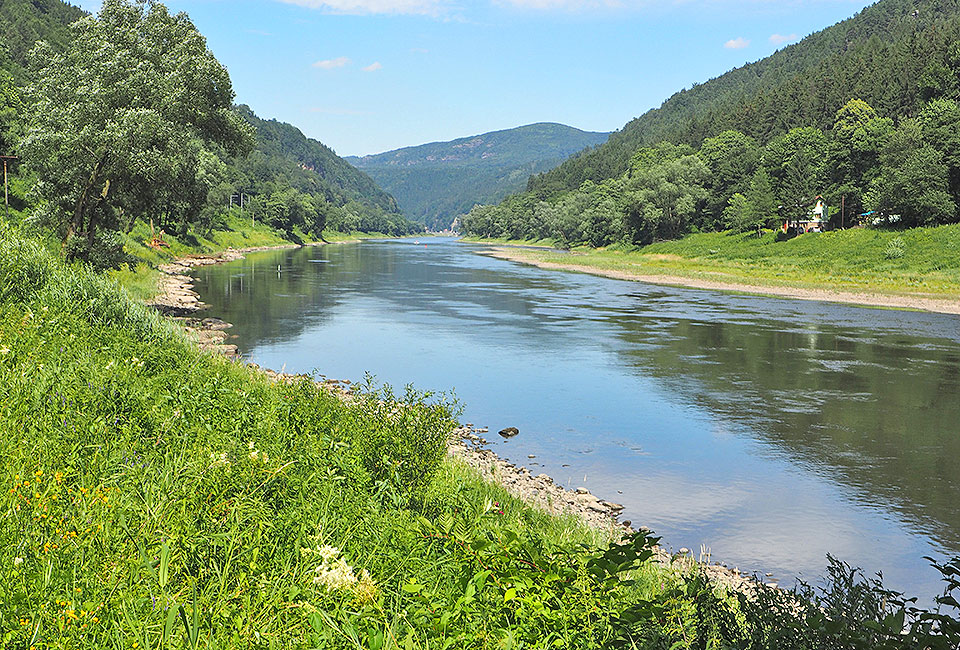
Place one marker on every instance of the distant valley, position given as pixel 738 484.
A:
pixel 436 182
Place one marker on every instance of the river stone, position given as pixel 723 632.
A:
pixel 509 432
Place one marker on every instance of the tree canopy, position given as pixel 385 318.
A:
pixel 118 124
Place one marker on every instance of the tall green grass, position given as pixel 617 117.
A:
pixel 153 496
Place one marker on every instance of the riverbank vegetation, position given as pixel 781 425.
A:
pixel 758 146
pixel 916 262
pixel 102 155
pixel 155 496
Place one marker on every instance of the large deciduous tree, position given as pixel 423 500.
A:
pixel 119 122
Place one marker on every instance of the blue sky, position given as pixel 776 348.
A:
pixel 365 76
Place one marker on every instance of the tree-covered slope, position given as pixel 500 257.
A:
pixel 895 55
pixel 285 160
pixel 288 181
pixel 24 22
pixel 436 182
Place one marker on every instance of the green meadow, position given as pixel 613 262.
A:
pixel 919 262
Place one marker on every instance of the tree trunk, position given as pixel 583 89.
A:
pixel 76 222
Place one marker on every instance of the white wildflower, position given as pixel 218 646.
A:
pixel 217 460
pixel 328 553
pixel 250 445
pixel 17 561
pixel 335 575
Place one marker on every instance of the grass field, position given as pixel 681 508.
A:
pixel 156 497
pixel 922 261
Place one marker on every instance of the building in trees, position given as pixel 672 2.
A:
pixel 814 221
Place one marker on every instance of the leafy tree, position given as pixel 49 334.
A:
pixel 751 211
pixel 797 162
pixel 119 122
pixel 859 135
pixel 731 158
pixel 913 182
pixel 663 198
pixel 11 107
pixel 940 127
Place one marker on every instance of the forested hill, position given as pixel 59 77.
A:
pixel 24 22
pixel 284 159
pixel 895 55
pixel 289 181
pixel 436 182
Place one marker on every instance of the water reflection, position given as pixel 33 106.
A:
pixel 774 431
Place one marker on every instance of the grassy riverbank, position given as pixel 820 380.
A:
pixel 157 497
pixel 154 496
pixel 141 278
pixel 912 265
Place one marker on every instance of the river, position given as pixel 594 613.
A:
pixel 770 431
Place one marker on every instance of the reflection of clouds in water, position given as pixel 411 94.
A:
pixel 674 500
pixel 787 527
pixel 621 379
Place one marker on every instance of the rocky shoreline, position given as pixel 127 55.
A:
pixel 177 300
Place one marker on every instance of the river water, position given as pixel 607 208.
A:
pixel 770 431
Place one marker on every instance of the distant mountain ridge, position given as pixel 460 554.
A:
pixel 436 182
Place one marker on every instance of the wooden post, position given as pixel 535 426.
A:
pixel 6 195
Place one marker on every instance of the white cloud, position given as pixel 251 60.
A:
pixel 373 67
pixel 332 64
pixel 780 39
pixel 737 43
pixel 421 7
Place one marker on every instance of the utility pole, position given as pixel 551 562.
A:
pixel 6 195
pixel 240 194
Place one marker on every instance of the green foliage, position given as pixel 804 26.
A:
pixel 436 182
pixel 886 55
pixel 11 107
pixel 815 110
pixel 299 183
pixel 24 22
pixel 118 122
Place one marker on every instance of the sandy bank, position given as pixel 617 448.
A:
pixel 892 301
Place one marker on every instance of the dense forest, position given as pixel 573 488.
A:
pixel 861 113
pixel 186 169
pixel 295 181
pixel 437 182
